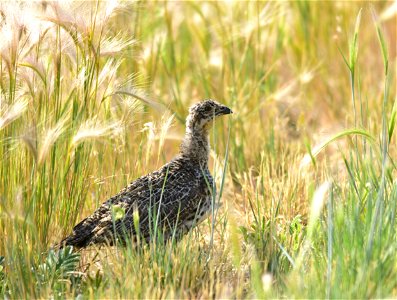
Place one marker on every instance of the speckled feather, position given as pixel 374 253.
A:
pixel 176 197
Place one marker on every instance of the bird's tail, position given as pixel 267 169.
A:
pixel 80 237
pixel 77 242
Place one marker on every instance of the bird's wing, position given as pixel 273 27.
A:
pixel 169 197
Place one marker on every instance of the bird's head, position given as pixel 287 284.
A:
pixel 203 113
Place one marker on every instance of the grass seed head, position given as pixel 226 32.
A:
pixel 10 113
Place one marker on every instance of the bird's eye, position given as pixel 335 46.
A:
pixel 208 108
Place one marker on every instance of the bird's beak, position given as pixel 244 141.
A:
pixel 224 110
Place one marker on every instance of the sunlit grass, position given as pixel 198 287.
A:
pixel 94 95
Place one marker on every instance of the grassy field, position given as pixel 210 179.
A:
pixel 95 94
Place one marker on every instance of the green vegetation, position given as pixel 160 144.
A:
pixel 93 95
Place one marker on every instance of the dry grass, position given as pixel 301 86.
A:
pixel 94 94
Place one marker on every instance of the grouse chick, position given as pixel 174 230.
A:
pixel 172 199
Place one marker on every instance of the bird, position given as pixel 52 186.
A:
pixel 167 202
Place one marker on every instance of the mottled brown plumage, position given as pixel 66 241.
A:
pixel 175 198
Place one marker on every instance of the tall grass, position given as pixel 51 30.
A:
pixel 93 95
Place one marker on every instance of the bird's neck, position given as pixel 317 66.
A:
pixel 196 146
